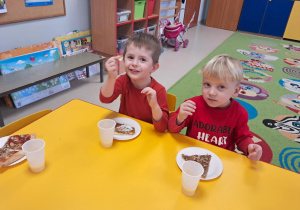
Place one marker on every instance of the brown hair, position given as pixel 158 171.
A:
pixel 223 67
pixel 149 42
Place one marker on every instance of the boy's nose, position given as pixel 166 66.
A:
pixel 212 91
pixel 134 62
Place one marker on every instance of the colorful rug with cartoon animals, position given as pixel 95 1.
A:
pixel 270 93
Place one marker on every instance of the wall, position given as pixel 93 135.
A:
pixel 203 11
pixel 77 17
pixel 27 33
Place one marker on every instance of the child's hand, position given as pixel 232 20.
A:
pixel 151 96
pixel 152 100
pixel 254 151
pixel 186 108
pixel 112 66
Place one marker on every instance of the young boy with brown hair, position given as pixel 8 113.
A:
pixel 142 96
pixel 215 117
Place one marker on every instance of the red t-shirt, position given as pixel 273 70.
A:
pixel 135 104
pixel 217 126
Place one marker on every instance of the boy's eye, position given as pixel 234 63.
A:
pixel 206 85
pixel 130 57
pixel 221 87
pixel 143 59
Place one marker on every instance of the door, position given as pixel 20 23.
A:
pixel 215 13
pixel 276 17
pixel 195 5
pixel 231 14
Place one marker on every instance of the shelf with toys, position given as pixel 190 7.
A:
pixel 110 30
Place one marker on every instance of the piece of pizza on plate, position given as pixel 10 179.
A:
pixel 123 129
pixel 11 151
pixel 204 160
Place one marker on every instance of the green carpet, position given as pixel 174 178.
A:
pixel 270 93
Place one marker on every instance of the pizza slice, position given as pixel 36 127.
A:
pixel 204 160
pixel 123 129
pixel 12 149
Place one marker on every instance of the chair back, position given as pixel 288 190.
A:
pixel 18 124
pixel 171 102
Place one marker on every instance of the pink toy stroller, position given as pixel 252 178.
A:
pixel 173 32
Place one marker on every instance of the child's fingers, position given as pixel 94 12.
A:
pixel 253 156
pixel 190 104
pixel 255 152
pixel 186 111
pixel 250 148
pixel 188 107
pixel 147 91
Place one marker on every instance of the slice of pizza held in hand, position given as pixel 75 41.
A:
pixel 12 149
pixel 123 129
pixel 204 160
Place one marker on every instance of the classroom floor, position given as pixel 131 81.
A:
pixel 173 65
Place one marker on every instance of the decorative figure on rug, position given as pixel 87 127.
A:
pixel 252 92
pixel 293 54
pixel 292 71
pixel 257 64
pixel 291 84
pixel 289 158
pixel 292 62
pixel 257 55
pixel 291 102
pixel 263 49
pixel 289 126
pixel 253 75
pixel 292 47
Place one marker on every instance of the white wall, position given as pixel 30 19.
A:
pixel 27 33
pixel 202 11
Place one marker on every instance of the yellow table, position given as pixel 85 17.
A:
pixel 137 174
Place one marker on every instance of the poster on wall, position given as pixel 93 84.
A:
pixel 3 6
pixel 32 3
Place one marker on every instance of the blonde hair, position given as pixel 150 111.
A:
pixel 148 41
pixel 223 67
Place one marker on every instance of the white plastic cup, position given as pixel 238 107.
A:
pixel 191 174
pixel 34 150
pixel 106 130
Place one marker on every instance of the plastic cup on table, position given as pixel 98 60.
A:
pixel 191 174
pixel 106 130
pixel 34 150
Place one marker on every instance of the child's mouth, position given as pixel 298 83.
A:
pixel 134 70
pixel 213 100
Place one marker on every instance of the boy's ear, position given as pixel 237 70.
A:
pixel 237 90
pixel 155 67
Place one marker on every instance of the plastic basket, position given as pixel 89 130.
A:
pixel 122 14
pixel 151 30
pixel 137 31
pixel 139 7
pixel 150 7
pixel 121 41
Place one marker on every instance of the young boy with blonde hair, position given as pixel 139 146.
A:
pixel 142 96
pixel 215 117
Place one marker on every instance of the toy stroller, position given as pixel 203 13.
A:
pixel 173 32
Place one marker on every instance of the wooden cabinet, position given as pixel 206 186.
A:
pixel 267 17
pixel 105 25
pixel 224 14
pixel 292 30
